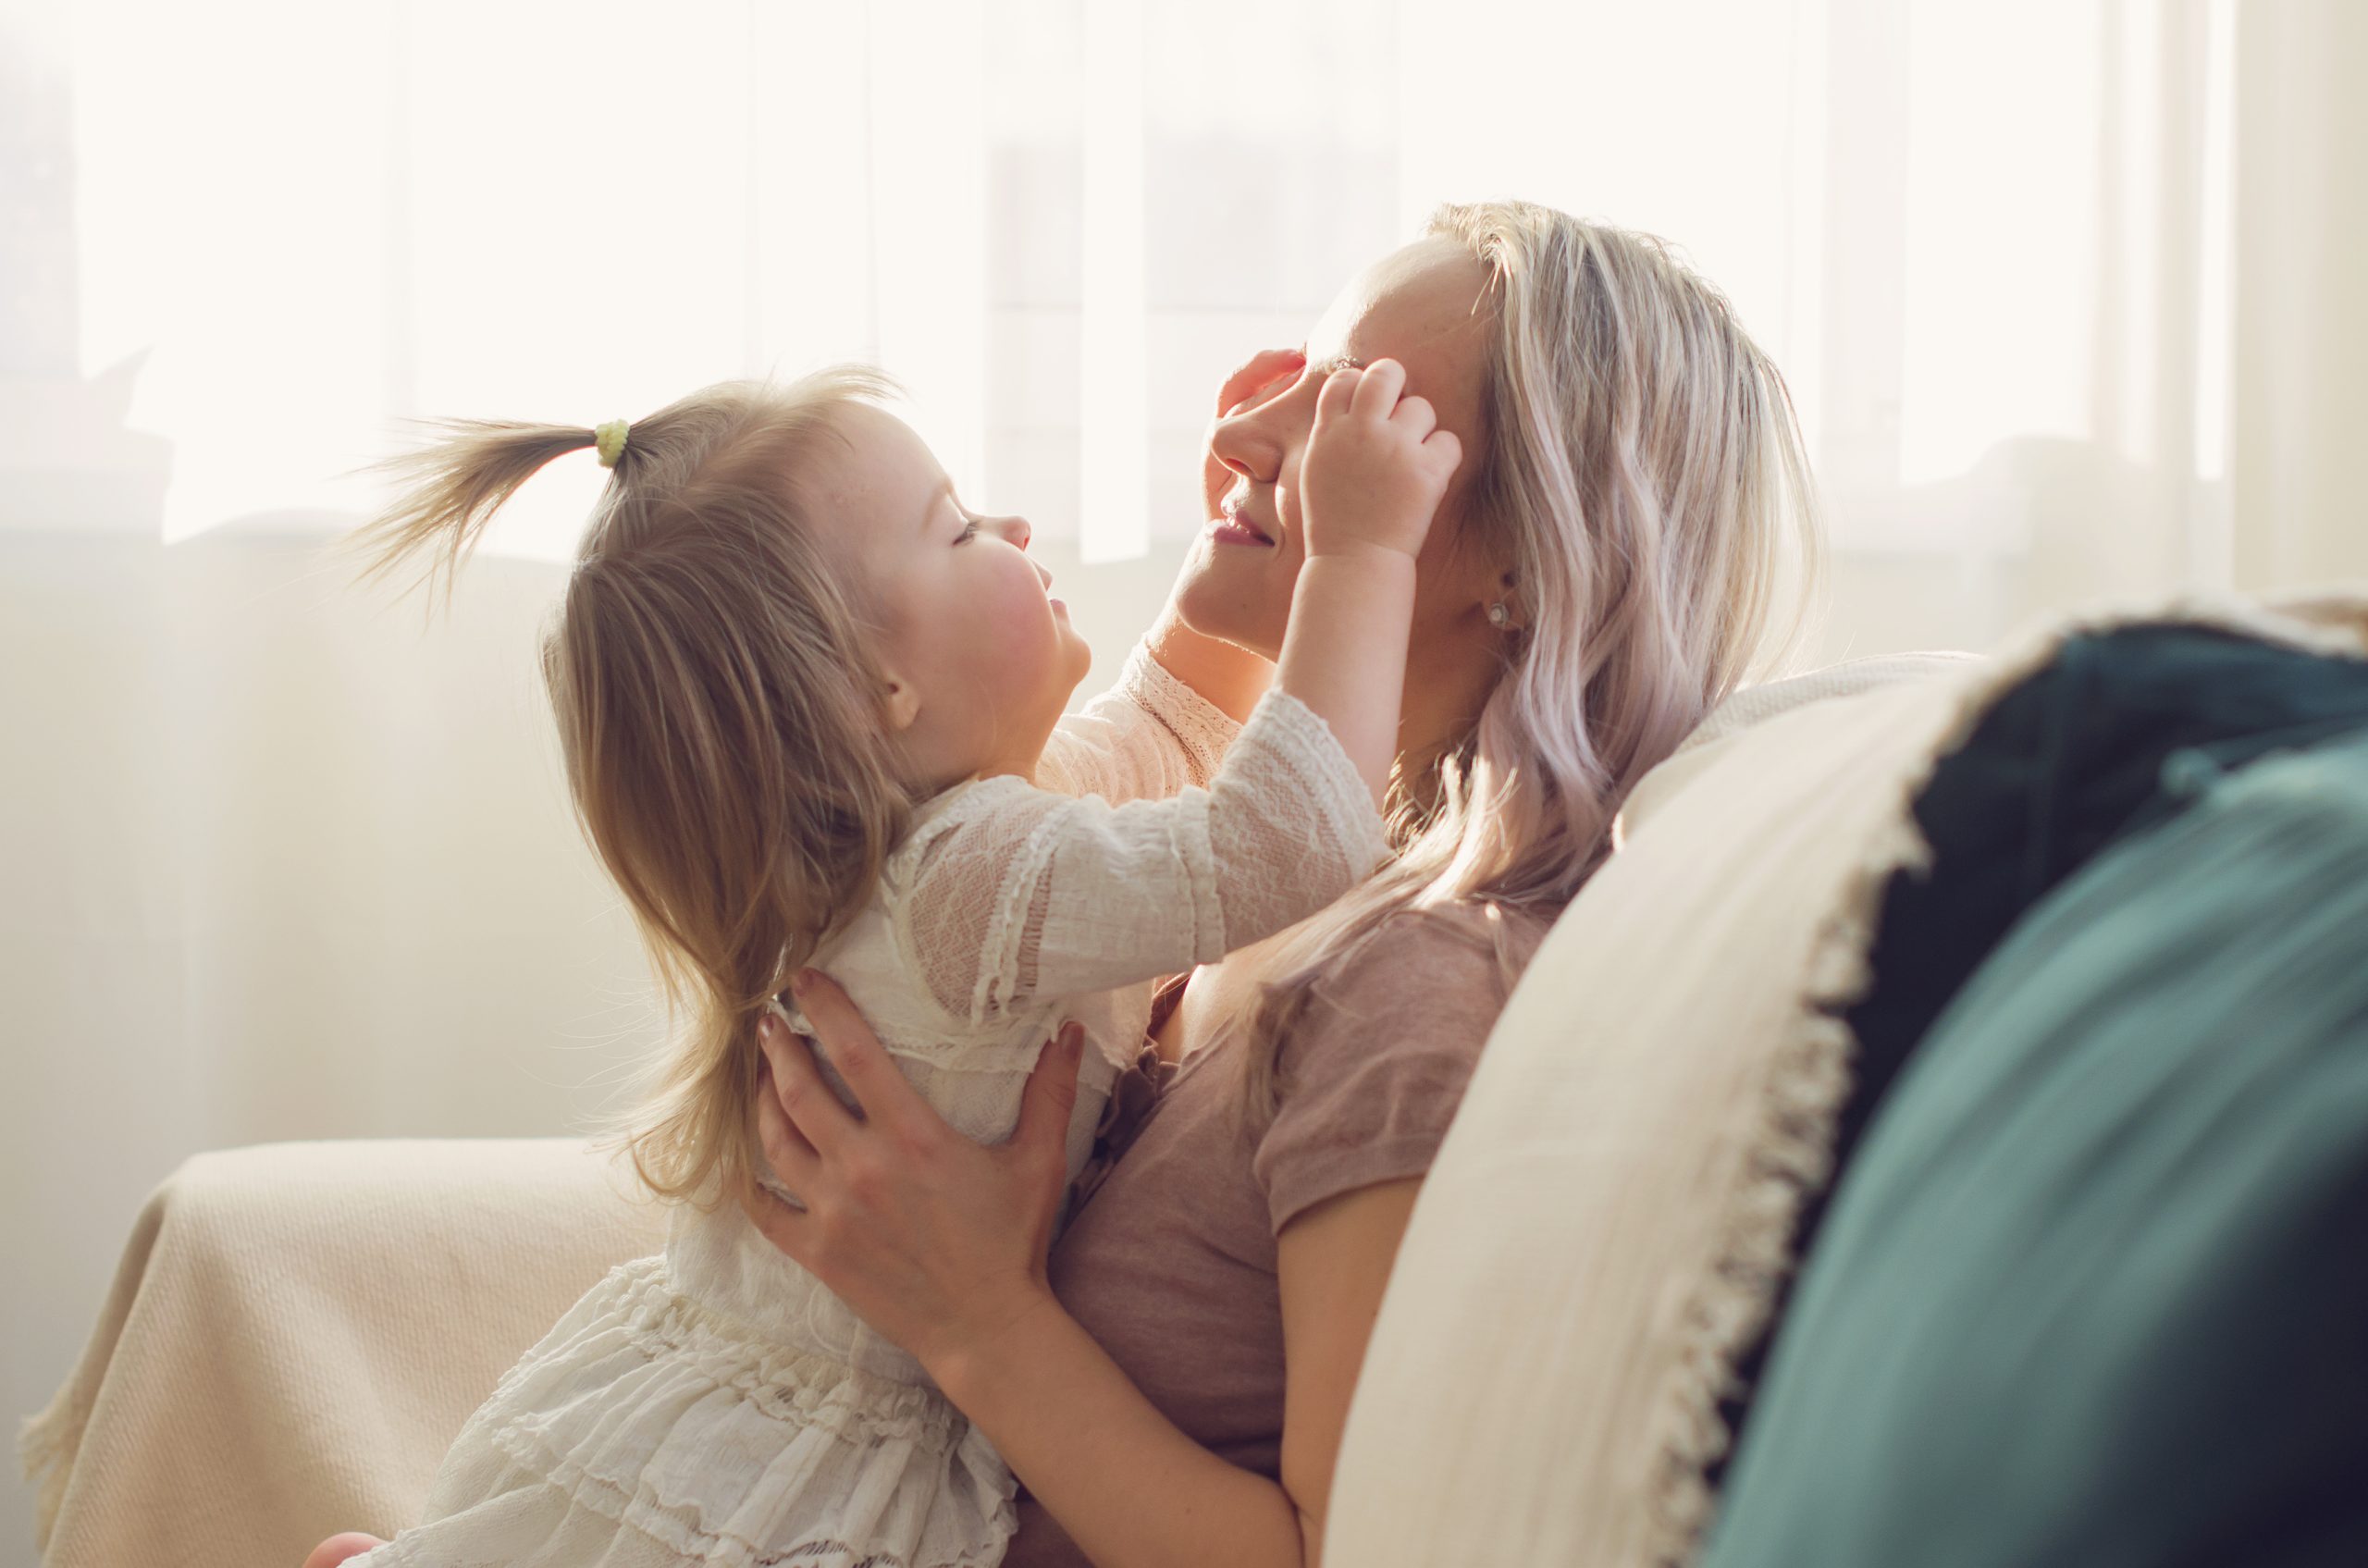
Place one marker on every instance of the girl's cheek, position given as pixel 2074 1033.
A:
pixel 1020 611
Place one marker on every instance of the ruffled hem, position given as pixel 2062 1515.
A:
pixel 664 1420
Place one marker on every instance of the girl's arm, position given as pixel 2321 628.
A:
pixel 1377 467
pixel 1157 731
pixel 1375 479
pixel 1036 894
pixel 949 1274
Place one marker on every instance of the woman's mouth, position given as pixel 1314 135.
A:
pixel 1231 527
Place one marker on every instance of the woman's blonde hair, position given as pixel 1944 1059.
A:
pixel 1643 470
pixel 712 672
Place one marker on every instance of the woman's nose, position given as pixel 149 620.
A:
pixel 1247 444
pixel 1013 531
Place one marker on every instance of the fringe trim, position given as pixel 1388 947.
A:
pixel 1808 1075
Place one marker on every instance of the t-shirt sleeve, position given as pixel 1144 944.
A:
pixel 1373 1075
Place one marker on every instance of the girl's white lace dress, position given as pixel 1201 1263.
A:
pixel 714 1404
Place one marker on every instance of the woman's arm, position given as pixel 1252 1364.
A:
pixel 1075 1428
pixel 940 1244
pixel 1332 1263
pixel 1230 679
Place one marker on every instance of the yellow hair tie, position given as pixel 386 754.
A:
pixel 611 439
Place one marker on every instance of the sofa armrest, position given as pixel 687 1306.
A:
pixel 297 1331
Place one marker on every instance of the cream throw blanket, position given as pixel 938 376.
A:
pixel 1610 1214
pixel 297 1331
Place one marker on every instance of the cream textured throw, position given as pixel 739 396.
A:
pixel 297 1330
pixel 1612 1209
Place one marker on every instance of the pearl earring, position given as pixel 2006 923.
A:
pixel 1499 616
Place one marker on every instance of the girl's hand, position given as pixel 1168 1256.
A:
pixel 937 1243
pixel 1377 466
pixel 1241 389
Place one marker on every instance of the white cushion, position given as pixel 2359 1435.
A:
pixel 1611 1213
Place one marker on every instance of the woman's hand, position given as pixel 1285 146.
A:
pixel 937 1242
pixel 1241 389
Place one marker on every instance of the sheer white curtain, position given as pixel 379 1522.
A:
pixel 2070 292
pixel 432 206
pixel 1995 247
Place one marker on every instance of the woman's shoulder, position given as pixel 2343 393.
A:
pixel 1370 1075
pixel 1478 941
pixel 1424 978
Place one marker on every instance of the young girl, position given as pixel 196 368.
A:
pixel 811 710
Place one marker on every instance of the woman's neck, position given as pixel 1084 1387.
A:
pixel 1444 698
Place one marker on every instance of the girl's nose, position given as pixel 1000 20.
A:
pixel 1013 531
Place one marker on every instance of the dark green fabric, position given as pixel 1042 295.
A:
pixel 2093 1291
pixel 2060 766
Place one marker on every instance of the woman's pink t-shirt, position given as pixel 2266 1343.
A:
pixel 1169 1262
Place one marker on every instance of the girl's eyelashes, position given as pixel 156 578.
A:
pixel 969 531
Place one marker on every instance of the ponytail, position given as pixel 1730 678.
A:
pixel 715 687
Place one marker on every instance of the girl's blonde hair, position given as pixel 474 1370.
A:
pixel 713 676
pixel 1643 473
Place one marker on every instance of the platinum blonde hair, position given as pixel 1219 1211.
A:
pixel 711 670
pixel 1643 472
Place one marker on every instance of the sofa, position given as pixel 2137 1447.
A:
pixel 1601 1267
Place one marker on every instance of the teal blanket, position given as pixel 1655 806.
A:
pixel 2095 1288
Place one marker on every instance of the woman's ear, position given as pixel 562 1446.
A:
pixel 1502 602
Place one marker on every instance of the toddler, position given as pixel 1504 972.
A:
pixel 811 712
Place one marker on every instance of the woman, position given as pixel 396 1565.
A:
pixel 1170 1387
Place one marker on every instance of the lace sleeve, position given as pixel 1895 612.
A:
pixel 1039 894
pixel 1143 739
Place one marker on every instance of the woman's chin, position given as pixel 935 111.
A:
pixel 1218 599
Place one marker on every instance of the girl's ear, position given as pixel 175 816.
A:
pixel 900 701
